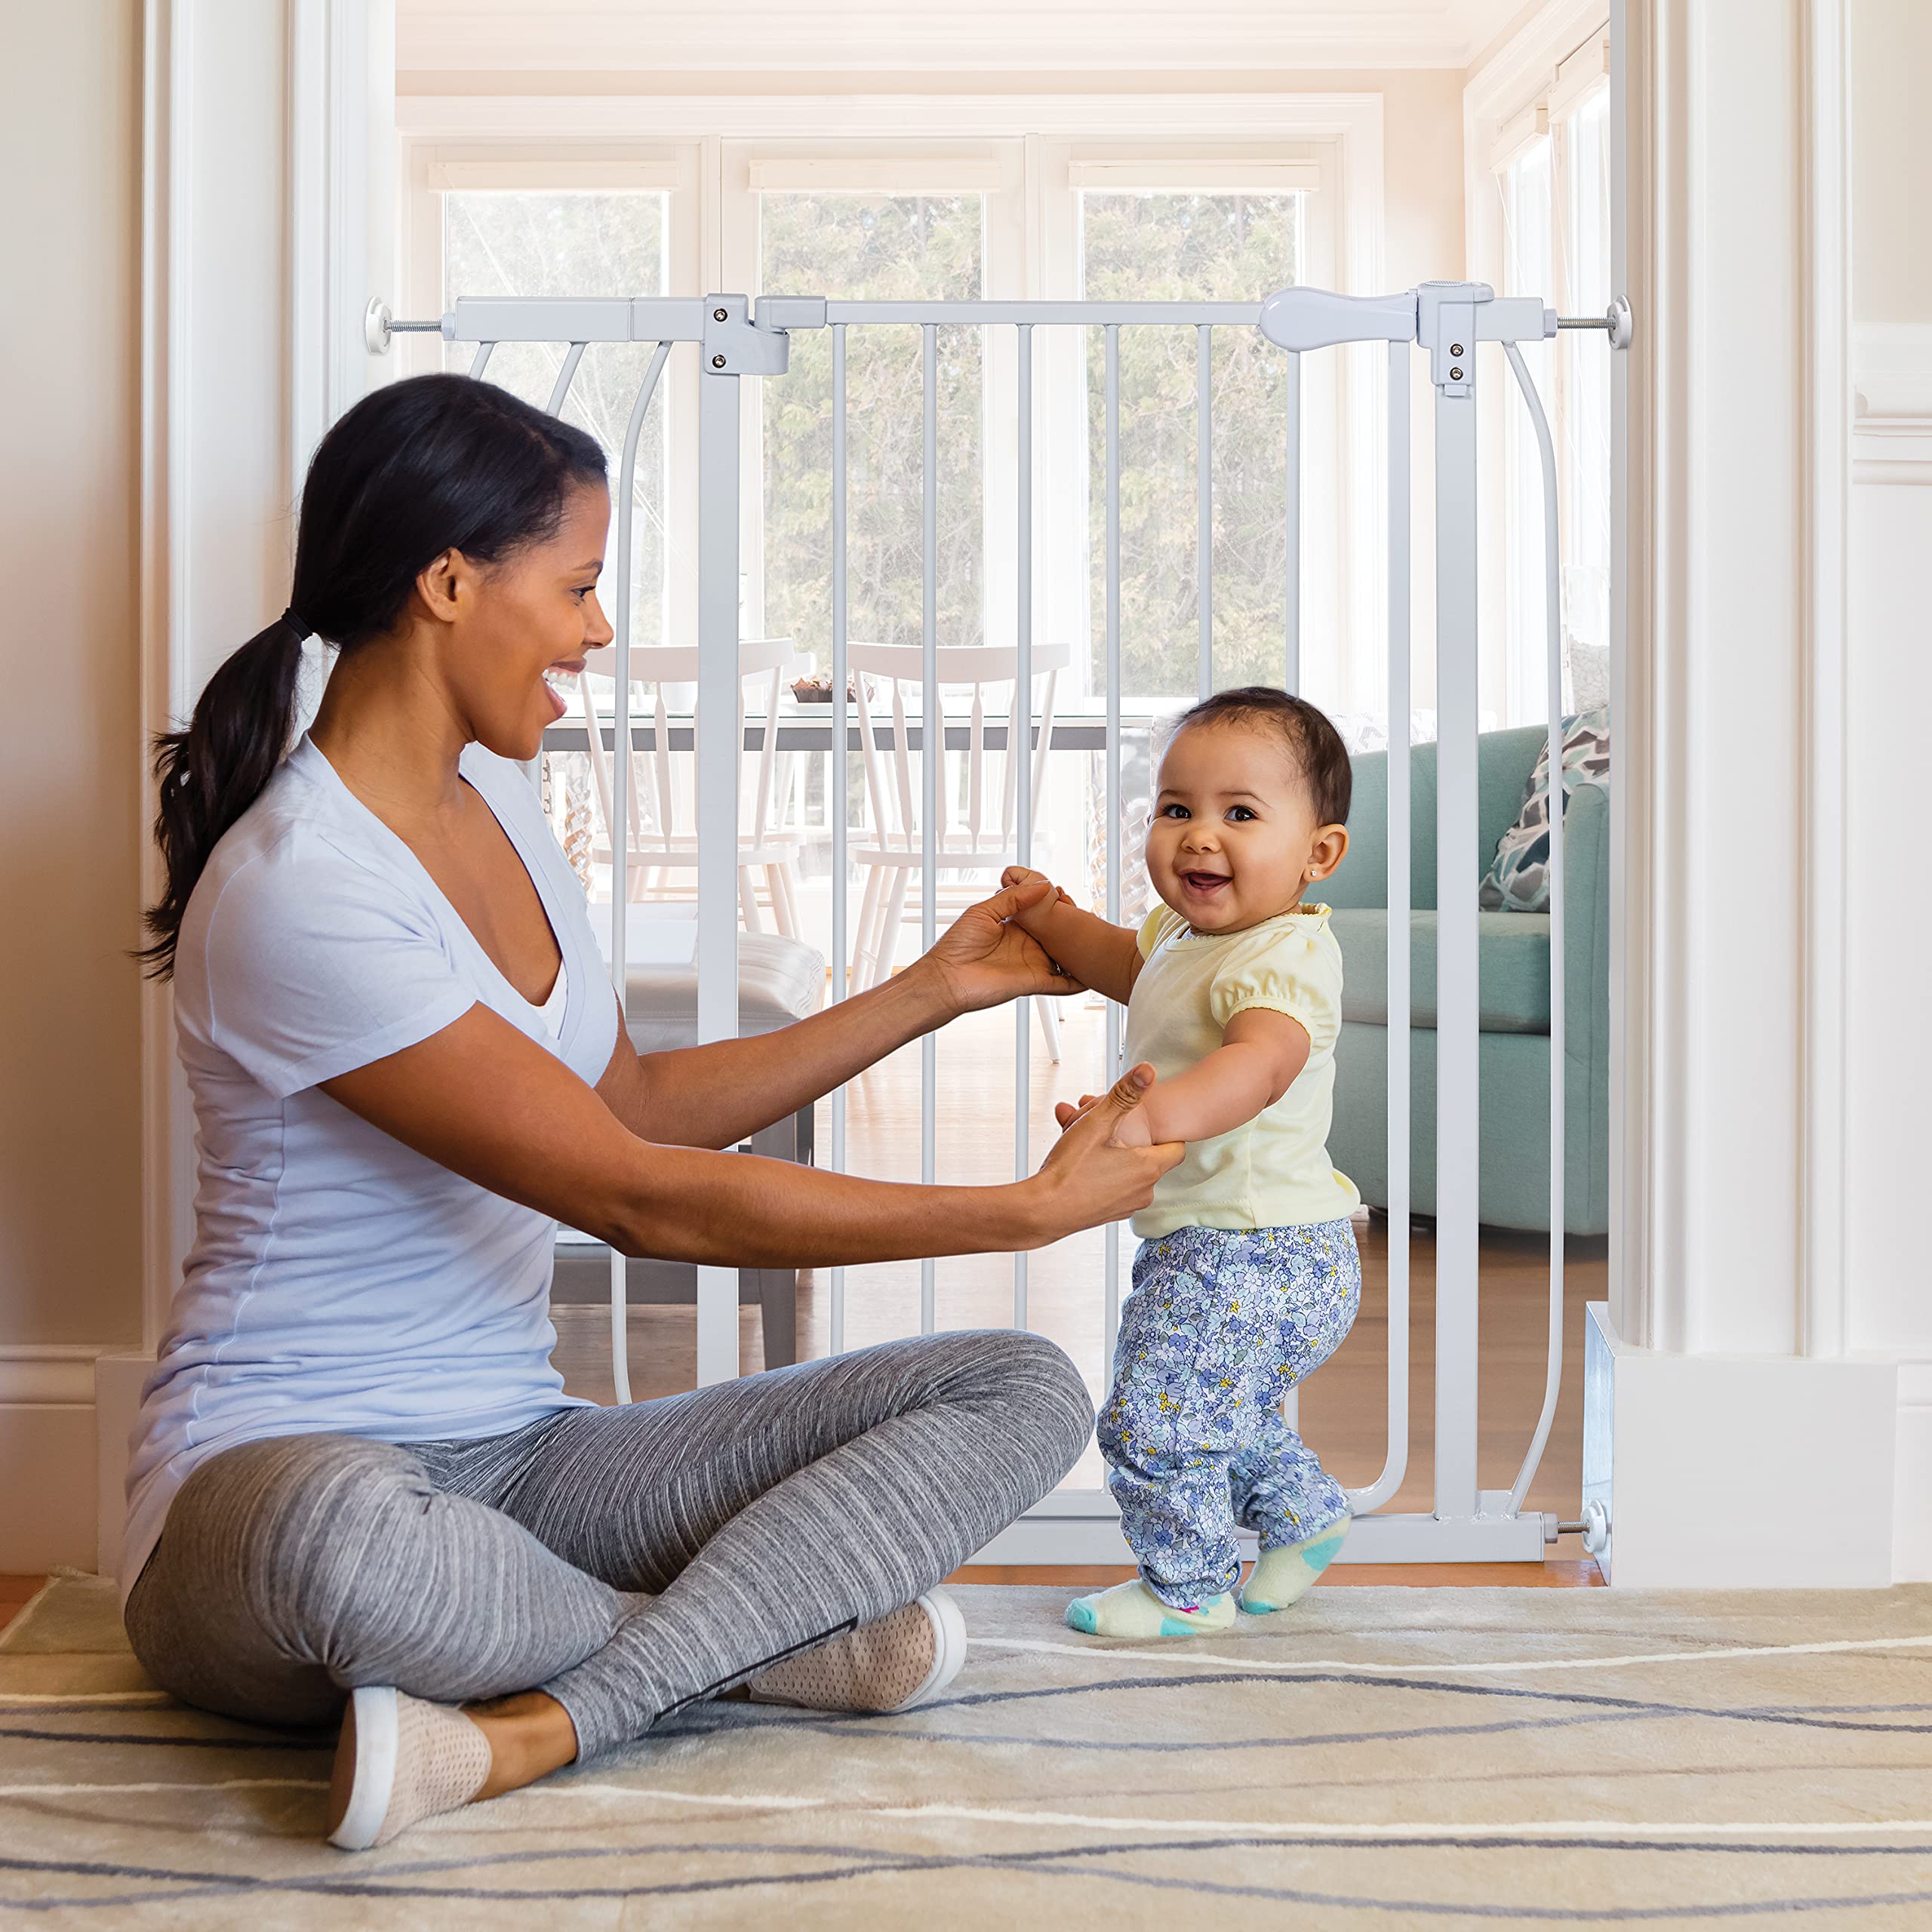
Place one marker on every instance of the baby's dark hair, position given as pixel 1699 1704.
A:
pixel 1316 745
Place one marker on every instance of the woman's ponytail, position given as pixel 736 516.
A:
pixel 210 773
pixel 429 464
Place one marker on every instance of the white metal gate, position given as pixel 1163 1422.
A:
pixel 1444 321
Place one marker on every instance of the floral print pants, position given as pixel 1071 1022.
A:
pixel 1223 1322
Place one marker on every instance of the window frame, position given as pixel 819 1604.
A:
pixel 1541 108
pixel 709 143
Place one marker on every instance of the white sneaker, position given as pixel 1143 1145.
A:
pixel 905 1658
pixel 400 1760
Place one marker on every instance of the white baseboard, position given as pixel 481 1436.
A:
pixel 47 1450
pixel 1911 1491
pixel 1741 1472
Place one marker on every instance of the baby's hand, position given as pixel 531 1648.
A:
pixel 1134 1131
pixel 1030 920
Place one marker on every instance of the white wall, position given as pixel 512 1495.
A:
pixel 1891 160
pixel 70 795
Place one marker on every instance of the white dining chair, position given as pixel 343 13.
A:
pixel 660 836
pixel 978 785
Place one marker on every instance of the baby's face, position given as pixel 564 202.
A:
pixel 1234 835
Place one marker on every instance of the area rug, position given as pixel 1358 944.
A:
pixel 1377 1759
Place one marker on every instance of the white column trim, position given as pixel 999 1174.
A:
pixel 1738 404
pixel 1827 482
pixel 167 1131
pixel 1634 432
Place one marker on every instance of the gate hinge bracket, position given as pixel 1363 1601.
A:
pixel 1452 317
pixel 1446 327
pixel 735 344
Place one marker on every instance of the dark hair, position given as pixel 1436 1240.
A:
pixel 417 467
pixel 1317 746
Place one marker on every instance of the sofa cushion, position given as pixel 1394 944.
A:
pixel 1518 879
pixel 1513 950
pixel 779 980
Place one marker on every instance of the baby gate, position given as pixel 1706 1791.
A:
pixel 732 338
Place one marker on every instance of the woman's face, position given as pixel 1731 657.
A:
pixel 524 630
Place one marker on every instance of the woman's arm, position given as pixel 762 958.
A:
pixel 1096 952
pixel 1261 1055
pixel 717 1095
pixel 484 1100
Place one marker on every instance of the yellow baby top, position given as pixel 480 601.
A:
pixel 1274 1171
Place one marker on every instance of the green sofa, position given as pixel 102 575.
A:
pixel 1514 1075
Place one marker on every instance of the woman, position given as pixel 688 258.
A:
pixel 354 1472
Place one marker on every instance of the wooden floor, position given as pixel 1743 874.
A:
pixel 1344 1406
pixel 16 1592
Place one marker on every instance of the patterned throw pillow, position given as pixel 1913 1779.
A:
pixel 1518 880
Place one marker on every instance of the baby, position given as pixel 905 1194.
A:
pixel 1247 1278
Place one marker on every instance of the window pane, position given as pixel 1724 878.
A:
pixel 882 248
pixel 1178 247
pixel 563 243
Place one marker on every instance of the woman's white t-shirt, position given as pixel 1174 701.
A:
pixel 339 1281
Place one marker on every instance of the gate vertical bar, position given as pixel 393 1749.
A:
pixel 1113 855
pixel 1291 590
pixel 621 754
pixel 1020 744
pixel 932 758
pixel 717 738
pixel 834 802
pixel 1553 649
pixel 1398 892
pixel 1203 505
pixel 1458 1118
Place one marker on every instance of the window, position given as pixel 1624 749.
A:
pixel 569 241
pixel 861 245
pixel 1552 180
pixel 1146 245
pixel 547 202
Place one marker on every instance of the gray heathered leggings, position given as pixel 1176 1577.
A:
pixel 762 1515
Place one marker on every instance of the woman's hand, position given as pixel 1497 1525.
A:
pixel 985 957
pixel 1102 1168
pixel 1134 1130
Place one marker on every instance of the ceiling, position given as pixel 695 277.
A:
pixel 607 39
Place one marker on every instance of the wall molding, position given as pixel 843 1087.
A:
pixel 56 1373
pixel 1891 370
pixel 1891 428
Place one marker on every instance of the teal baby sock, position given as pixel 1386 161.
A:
pixel 1132 1609
pixel 1283 1576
